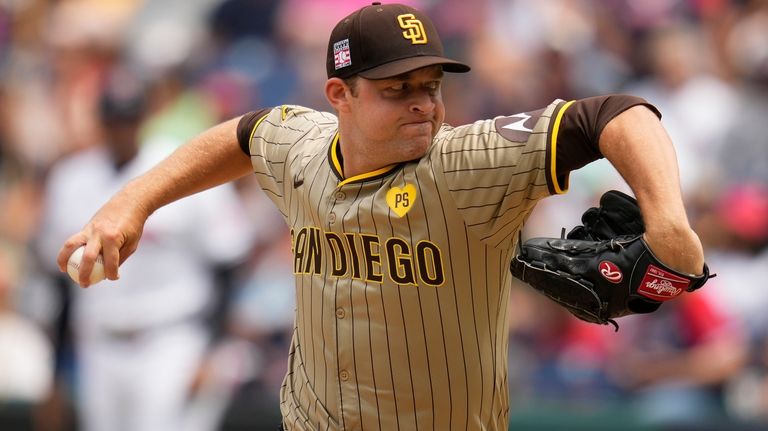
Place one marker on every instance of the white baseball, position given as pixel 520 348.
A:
pixel 73 267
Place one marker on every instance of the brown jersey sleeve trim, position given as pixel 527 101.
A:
pixel 557 180
pixel 247 126
pixel 582 124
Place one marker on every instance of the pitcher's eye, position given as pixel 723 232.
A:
pixel 433 87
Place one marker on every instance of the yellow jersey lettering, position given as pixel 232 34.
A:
pixel 364 257
pixel 372 258
pixel 338 254
pixel 314 257
pixel 298 250
pixel 430 263
pixel 354 256
pixel 400 263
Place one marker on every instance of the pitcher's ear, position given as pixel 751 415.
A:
pixel 337 92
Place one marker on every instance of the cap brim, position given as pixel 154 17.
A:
pixel 398 67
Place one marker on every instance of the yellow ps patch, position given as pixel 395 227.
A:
pixel 401 199
pixel 414 29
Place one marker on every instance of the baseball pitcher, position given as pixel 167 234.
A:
pixel 404 228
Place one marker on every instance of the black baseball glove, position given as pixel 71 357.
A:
pixel 603 269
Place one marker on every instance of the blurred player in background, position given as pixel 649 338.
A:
pixel 141 342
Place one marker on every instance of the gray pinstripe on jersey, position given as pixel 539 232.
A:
pixel 402 274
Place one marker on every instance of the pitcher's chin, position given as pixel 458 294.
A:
pixel 416 148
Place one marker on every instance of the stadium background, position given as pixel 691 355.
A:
pixel 698 364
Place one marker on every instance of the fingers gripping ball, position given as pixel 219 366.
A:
pixel 73 267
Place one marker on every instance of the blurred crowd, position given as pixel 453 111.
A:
pixel 92 90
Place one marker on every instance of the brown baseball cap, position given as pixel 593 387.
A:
pixel 380 41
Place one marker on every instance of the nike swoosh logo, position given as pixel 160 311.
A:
pixel 297 181
pixel 519 125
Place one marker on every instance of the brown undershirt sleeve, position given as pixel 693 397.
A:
pixel 246 125
pixel 581 126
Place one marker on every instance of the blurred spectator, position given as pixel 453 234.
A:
pixel 746 396
pixel 261 319
pixel 556 358
pixel 246 371
pixel 25 352
pixel 141 342
pixel 681 84
pixel 53 73
pixel 675 362
pixel 736 227
pixel 179 111
pixel 743 153
pixel 165 34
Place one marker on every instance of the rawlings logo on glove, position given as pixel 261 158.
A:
pixel 604 269
pixel 660 285
pixel 610 271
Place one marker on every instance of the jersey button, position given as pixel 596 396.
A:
pixel 340 313
pixel 344 375
pixel 340 196
pixel 332 218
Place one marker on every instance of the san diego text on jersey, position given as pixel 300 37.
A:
pixel 367 257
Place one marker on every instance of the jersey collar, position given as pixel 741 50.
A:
pixel 336 161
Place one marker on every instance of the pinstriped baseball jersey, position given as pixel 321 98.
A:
pixel 402 274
